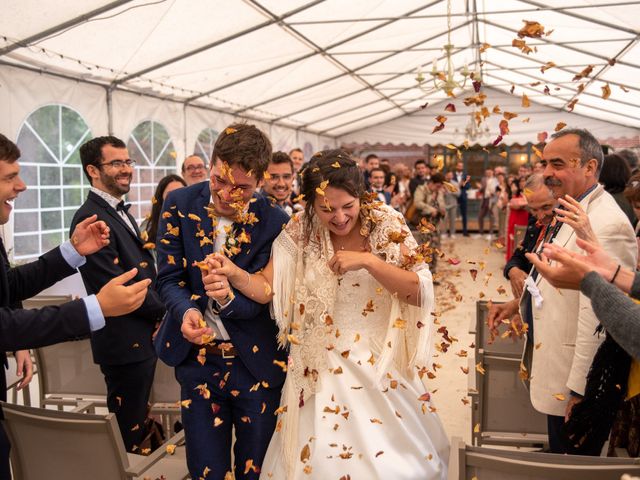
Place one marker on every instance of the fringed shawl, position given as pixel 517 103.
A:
pixel 304 296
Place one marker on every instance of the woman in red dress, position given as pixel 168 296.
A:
pixel 518 214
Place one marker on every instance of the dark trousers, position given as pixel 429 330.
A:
pixel 208 422
pixel 128 389
pixel 557 441
pixel 462 203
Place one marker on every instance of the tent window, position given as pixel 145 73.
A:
pixel 49 140
pixel 152 148
pixel 204 144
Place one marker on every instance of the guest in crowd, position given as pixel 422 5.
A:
pixel 376 180
pixel 297 157
pixel 518 213
pixel 401 197
pixel 487 191
pixel 194 170
pixel 430 205
pixel 462 179
pixel 149 226
pixel 502 206
pixel 371 161
pixel 451 193
pixel 123 348
pixel 561 323
pixel 24 329
pixel 278 181
pixel 231 379
pixel 540 205
pixel 421 173
pixel 632 194
pixel 631 158
pixel 614 178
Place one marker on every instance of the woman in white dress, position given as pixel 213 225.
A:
pixel 352 296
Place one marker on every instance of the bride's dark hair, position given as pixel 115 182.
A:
pixel 339 169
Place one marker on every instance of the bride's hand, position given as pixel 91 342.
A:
pixel 346 261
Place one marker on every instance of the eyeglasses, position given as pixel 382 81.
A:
pixel 276 178
pixel 193 168
pixel 119 164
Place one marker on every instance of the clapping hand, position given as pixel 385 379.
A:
pixel 572 266
pixel 90 235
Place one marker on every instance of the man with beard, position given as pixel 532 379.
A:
pixel 123 348
pixel 278 181
pixel 561 321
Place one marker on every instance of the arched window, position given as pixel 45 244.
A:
pixel 152 148
pixel 49 140
pixel 204 144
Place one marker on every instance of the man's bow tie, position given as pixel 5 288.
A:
pixel 123 207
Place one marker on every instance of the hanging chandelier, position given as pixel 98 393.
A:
pixel 447 80
pixel 475 129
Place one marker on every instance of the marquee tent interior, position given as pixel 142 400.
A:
pixel 167 75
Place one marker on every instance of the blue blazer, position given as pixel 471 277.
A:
pixel 248 323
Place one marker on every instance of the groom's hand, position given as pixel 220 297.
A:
pixel 216 285
pixel 193 327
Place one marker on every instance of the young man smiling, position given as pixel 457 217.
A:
pixel 123 349
pixel 278 181
pixel 230 374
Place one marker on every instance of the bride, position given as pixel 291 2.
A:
pixel 352 296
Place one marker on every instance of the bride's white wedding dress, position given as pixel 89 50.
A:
pixel 357 422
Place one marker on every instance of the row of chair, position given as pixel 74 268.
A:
pixel 80 444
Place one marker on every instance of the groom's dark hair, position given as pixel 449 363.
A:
pixel 244 145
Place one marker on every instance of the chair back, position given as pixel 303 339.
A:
pixel 467 463
pixel 66 370
pixel 54 444
pixel 505 413
pixel 500 346
pixel 165 388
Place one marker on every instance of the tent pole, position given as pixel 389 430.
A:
pixel 184 131
pixel 109 109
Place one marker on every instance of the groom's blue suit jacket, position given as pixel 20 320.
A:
pixel 248 323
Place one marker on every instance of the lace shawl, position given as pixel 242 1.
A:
pixel 304 295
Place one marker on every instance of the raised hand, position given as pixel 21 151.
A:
pixel 116 298
pixel 573 215
pixel 90 235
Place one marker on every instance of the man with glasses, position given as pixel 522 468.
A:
pixel 194 170
pixel 278 181
pixel 123 348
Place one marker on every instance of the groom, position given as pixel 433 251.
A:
pixel 230 380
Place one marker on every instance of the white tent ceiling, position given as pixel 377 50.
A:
pixel 332 67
